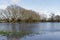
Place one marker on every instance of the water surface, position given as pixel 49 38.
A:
pixel 40 31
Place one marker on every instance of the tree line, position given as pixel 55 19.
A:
pixel 15 13
pixel 52 18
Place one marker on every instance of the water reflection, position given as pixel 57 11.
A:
pixel 47 30
pixel 35 27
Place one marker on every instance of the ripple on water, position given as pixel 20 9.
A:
pixel 3 37
pixel 46 36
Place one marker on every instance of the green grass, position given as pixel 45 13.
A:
pixel 20 34
pixel 4 33
pixel 15 34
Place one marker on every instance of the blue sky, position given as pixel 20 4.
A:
pixel 41 6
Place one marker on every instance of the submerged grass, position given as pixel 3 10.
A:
pixel 14 34
pixel 4 33
pixel 20 34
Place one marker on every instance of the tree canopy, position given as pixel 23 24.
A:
pixel 14 13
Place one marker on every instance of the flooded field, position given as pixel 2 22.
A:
pixel 40 31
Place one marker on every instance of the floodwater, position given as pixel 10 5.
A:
pixel 40 31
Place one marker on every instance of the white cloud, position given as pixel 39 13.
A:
pixel 14 1
pixel 3 6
